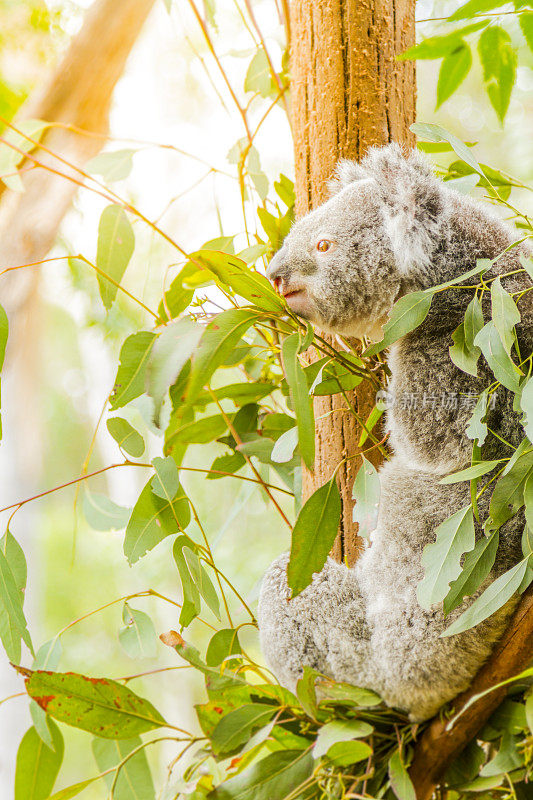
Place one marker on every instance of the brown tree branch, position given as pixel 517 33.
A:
pixel 442 742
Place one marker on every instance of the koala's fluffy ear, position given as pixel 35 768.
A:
pixel 346 172
pixel 414 202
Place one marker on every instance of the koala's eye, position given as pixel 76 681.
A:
pixel 323 245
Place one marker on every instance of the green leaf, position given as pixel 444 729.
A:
pixel 138 636
pixel 98 705
pixel 258 77
pixel 273 777
pixel 4 329
pixel 202 581
pixel 442 559
pixel 343 754
pixel 498 59
pixel 134 780
pixel 241 393
pixel 131 374
pixel 165 483
pixel 222 644
pixel 233 272
pixel 74 790
pixel 529 708
pixel 400 781
pixel 528 501
pixel 436 133
pixel 500 362
pixel 526 24
pixel 235 728
pixel 302 402
pixel 285 446
pixel 407 314
pixel 473 7
pixel 306 692
pixel 464 352
pixel 506 760
pixel 508 494
pixel 116 242
pixel 470 473
pixel 340 730
pixel 441 46
pixel 13 626
pixel 177 297
pixel 218 341
pixel 366 493
pixel 171 351
pixel 152 519
pixel 191 605
pixel 112 166
pixel 492 599
pixel 453 70
pixel 37 765
pixel 313 535
pixel 505 314
pixel 15 558
pixel 200 431
pixel 477 429
pixel 103 514
pixel 345 694
pixel 126 436
pixel 477 566
pixel 526 404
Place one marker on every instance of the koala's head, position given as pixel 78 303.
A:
pixel 345 264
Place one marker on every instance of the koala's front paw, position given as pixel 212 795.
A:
pixel 324 627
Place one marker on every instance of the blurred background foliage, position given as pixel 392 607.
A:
pixel 174 110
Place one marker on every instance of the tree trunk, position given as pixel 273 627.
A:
pixel 78 94
pixel 348 93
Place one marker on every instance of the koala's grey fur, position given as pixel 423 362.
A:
pixel 398 229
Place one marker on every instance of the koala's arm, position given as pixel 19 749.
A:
pixel 324 627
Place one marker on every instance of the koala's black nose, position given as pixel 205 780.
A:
pixel 278 266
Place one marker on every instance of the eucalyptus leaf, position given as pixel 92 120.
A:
pixel 98 705
pixel 407 314
pixel 302 402
pixel 152 519
pixel 454 69
pixel 504 369
pixel 131 375
pixel 400 782
pixel 134 780
pixel 202 581
pixel 114 166
pixel 125 435
pixel 498 59
pixel 313 535
pixel 116 242
pixel 476 568
pixel 103 514
pixel 37 765
pixel 505 314
pixel 276 775
pixel 492 599
pixel 366 493
pixel 217 342
pixel 442 559
pixel 339 730
pixel 138 636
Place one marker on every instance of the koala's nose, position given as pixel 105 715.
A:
pixel 277 269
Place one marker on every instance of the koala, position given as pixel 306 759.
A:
pixel 391 227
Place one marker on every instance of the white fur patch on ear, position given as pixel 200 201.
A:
pixel 410 240
pixel 346 172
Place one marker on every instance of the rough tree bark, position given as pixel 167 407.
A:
pixel 348 93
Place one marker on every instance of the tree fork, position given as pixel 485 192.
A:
pixel 348 93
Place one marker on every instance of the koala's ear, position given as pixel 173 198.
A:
pixel 346 172
pixel 414 203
